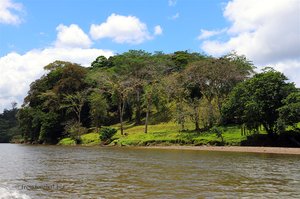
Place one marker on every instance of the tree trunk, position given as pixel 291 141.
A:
pixel 269 130
pixel 197 128
pixel 147 115
pixel 121 117
pixel 210 114
pixel 181 115
pixel 196 115
pixel 138 108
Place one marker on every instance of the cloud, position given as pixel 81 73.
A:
pixel 158 30
pixel 176 16
pixel 19 70
pixel 172 2
pixel 266 31
pixel 205 34
pixel 72 37
pixel 122 29
pixel 9 12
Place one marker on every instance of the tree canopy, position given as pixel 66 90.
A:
pixel 259 100
pixel 144 88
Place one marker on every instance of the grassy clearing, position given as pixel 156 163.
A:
pixel 89 139
pixel 166 134
pixel 169 134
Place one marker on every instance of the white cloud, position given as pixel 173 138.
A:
pixel 8 12
pixel 122 29
pixel 72 37
pixel 175 16
pixel 205 34
pixel 158 30
pixel 18 71
pixel 172 2
pixel 266 31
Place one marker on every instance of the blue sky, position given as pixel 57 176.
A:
pixel 40 19
pixel 34 33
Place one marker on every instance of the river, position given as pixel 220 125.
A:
pixel 110 172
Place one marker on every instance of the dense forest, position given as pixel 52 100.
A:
pixel 150 88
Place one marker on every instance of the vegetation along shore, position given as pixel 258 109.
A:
pixel 143 99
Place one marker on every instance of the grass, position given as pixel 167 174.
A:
pixel 90 139
pixel 67 142
pixel 165 134
pixel 169 134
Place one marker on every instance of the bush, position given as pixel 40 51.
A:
pixel 107 133
pixel 218 132
pixel 75 130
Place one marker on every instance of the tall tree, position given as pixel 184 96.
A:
pixel 289 113
pixel 256 101
pixel 215 78
pixel 74 103
pixel 134 64
pixel 98 110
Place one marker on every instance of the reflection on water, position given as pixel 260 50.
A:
pixel 95 172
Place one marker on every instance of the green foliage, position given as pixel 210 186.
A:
pixel 9 124
pixel 107 133
pixel 255 101
pixel 75 130
pixel 289 113
pixel 90 139
pixel 73 103
pixel 67 142
pixel 98 110
pixel 42 117
pixel 170 134
pixel 101 62
pixel 218 132
pixel 49 126
pixel 152 88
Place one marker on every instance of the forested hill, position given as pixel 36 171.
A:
pixel 143 88
pixel 9 124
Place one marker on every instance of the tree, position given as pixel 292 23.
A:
pixel 177 92
pixel 101 62
pixel 74 103
pixel 107 133
pixel 289 113
pixel 98 110
pixel 148 95
pixel 119 88
pixel 215 78
pixel 9 124
pixel 256 101
pixel 72 79
pixel 30 120
pixel 42 117
pixel 181 59
pixel 134 64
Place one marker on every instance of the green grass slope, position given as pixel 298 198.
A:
pixel 169 134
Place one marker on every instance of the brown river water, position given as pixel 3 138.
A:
pixel 110 172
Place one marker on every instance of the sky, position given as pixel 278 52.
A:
pixel 34 33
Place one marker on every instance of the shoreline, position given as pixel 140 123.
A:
pixel 243 149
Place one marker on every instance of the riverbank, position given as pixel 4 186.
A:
pixel 245 149
pixel 169 134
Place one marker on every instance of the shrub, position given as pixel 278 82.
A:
pixel 107 133
pixel 218 132
pixel 75 130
